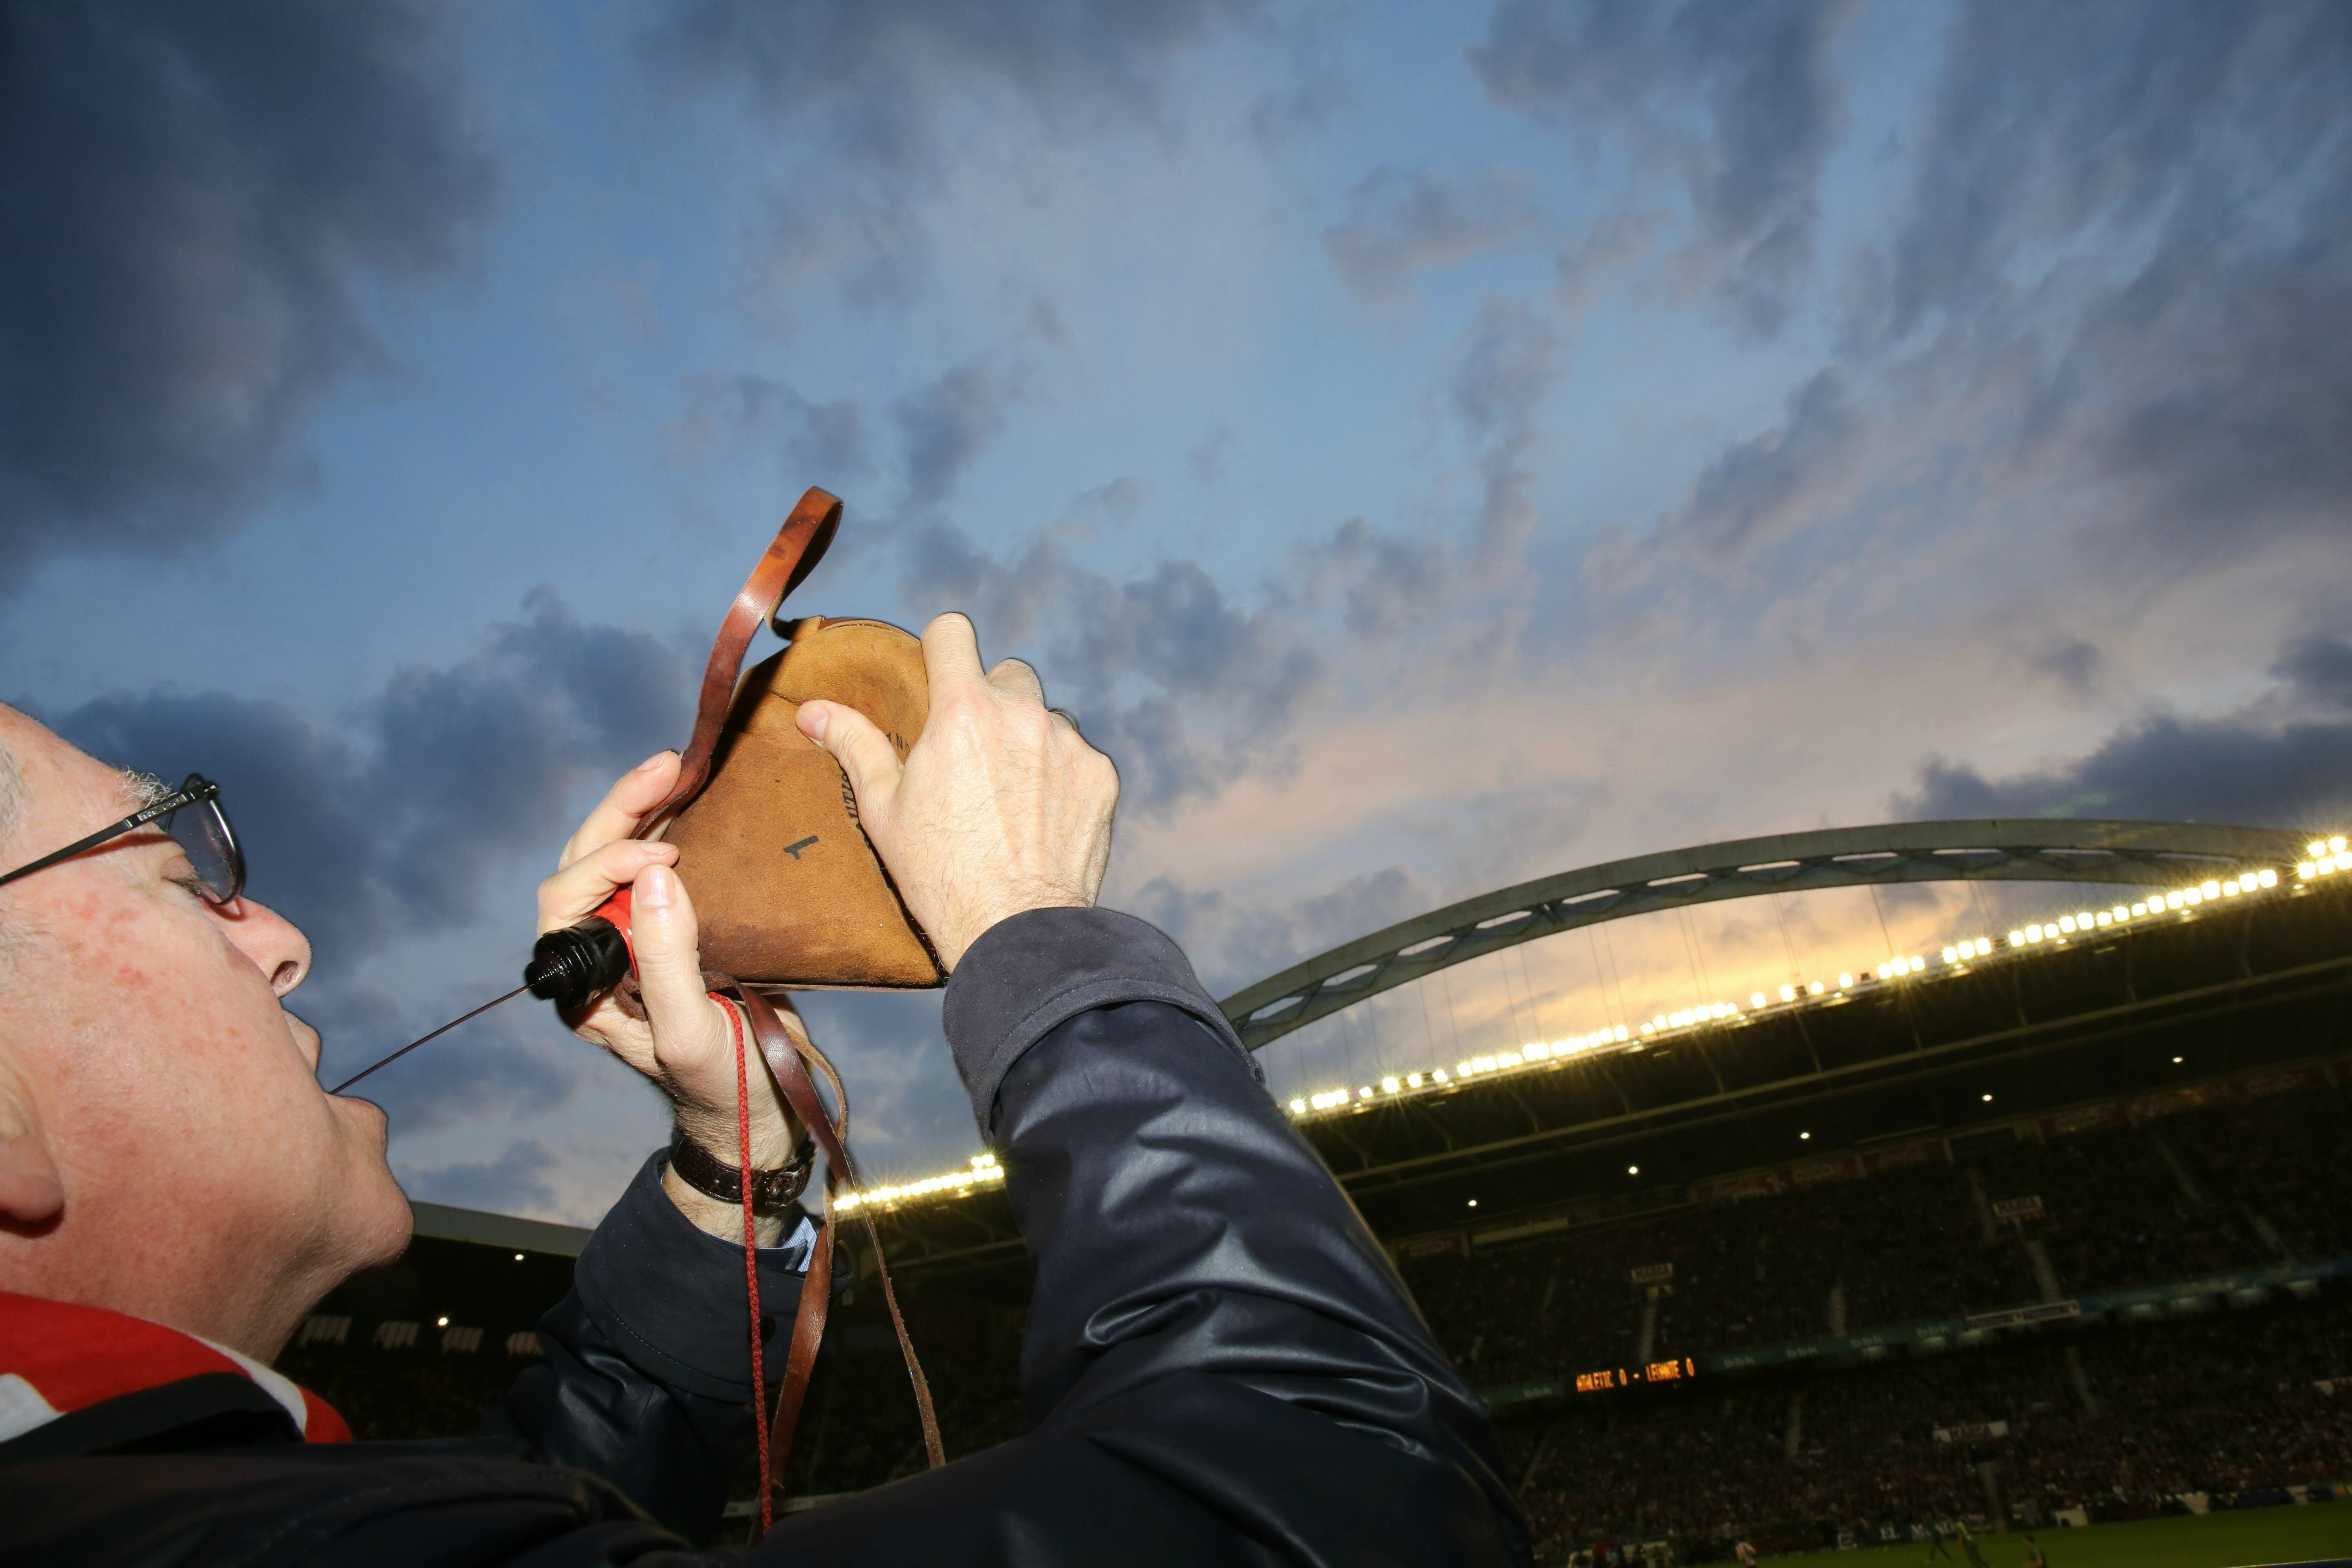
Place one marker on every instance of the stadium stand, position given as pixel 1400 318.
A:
pixel 2069 1241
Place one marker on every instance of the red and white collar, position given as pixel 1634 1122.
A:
pixel 57 1357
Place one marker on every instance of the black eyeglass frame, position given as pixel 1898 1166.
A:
pixel 195 790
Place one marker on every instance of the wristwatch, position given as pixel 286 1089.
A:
pixel 773 1191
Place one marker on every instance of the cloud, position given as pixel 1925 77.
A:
pixel 515 1179
pixel 1736 97
pixel 2072 663
pixel 814 443
pixel 2131 222
pixel 943 427
pixel 1402 224
pixel 868 99
pixel 1770 484
pixel 199 198
pixel 2285 759
pixel 1511 359
pixel 392 819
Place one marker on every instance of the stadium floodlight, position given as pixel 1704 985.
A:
pixel 2211 889
pixel 1787 993
pixel 1917 964
pixel 2317 847
pixel 1630 1170
pixel 440 1322
pixel 2336 844
pixel 1846 982
pixel 1413 1081
pixel 2066 923
pixel 1297 1107
pixel 1473 1203
pixel 1951 955
pixel 2017 939
pixel 1390 1085
pixel 2176 1061
pixel 1987 1100
pixel 2269 878
pixel 2033 934
pixel 1439 1075
pixel 1756 999
pixel 1804 1137
pixel 2105 918
pixel 518 1258
pixel 1815 988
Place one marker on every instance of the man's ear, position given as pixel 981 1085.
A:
pixel 31 1192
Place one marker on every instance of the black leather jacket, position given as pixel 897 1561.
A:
pixel 1222 1367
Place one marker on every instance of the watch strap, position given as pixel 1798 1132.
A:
pixel 773 1192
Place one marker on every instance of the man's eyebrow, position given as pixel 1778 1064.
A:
pixel 139 791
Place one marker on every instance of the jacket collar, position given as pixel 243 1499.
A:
pixel 77 1380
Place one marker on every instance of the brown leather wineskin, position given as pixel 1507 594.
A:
pixel 787 887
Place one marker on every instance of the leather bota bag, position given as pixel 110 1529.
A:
pixel 789 892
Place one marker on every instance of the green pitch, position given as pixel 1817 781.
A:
pixel 2197 1541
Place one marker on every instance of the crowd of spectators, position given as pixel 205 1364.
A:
pixel 2224 1406
pixel 2283 1160
pixel 2177 1199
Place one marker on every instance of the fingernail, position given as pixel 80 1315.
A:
pixel 650 763
pixel 810 719
pixel 656 888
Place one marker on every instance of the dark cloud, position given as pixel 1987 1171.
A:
pixel 942 426
pixel 198 197
pixel 2072 663
pixel 814 442
pixel 2319 670
pixel 2149 208
pixel 515 1179
pixel 394 819
pixel 1402 224
pixel 866 95
pixel 1735 96
pixel 2168 770
pixel 1185 689
pixel 2253 767
pixel 1770 484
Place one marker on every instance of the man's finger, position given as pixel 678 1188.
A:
pixel 863 751
pixel 664 938
pixel 638 791
pixel 1018 677
pixel 589 880
pixel 950 652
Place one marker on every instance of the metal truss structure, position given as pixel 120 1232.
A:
pixel 2137 853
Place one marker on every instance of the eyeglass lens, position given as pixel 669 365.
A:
pixel 201 831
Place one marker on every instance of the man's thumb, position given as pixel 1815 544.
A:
pixel 863 751
pixel 669 968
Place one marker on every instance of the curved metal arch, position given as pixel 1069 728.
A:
pixel 2148 854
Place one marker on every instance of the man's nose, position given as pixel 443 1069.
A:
pixel 277 948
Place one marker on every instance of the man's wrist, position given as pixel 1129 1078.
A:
pixel 723 1220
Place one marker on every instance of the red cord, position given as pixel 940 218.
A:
pixel 751 1265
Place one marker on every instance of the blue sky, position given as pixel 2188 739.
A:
pixel 1429 445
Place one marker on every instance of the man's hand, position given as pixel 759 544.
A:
pixel 684 1043
pixel 999 807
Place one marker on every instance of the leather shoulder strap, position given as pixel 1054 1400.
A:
pixel 785 1056
pixel 798 546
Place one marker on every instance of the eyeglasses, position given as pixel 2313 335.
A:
pixel 191 815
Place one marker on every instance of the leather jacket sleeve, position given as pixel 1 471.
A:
pixel 1221 1363
pixel 646 1381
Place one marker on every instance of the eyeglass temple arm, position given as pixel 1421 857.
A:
pixel 137 820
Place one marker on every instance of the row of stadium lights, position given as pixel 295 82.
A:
pixel 2329 857
pixel 983 1171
